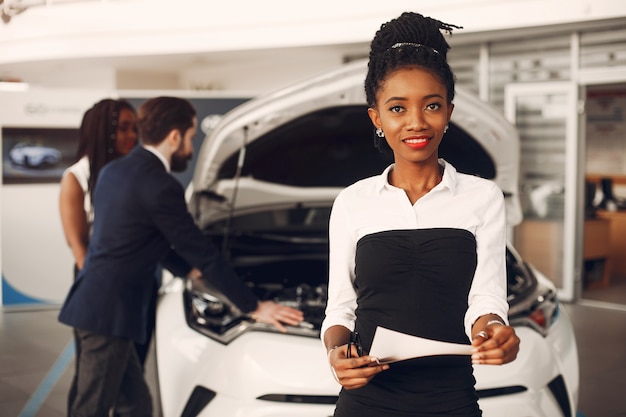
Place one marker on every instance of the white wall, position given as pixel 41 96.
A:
pixel 64 75
pixel 263 72
pixel 161 26
pixel 36 260
pixel 43 44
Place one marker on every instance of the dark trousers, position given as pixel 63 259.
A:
pixel 142 348
pixel 108 376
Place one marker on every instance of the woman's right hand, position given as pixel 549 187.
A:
pixel 353 372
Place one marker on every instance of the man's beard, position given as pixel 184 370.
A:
pixel 180 160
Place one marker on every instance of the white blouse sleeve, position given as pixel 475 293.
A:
pixel 341 295
pixel 489 288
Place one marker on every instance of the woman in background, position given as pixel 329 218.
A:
pixel 107 131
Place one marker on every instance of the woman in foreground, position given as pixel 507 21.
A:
pixel 419 249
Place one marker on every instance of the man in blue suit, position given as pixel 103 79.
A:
pixel 141 221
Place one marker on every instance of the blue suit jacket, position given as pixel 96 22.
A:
pixel 141 220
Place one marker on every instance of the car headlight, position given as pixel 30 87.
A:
pixel 531 296
pixel 212 315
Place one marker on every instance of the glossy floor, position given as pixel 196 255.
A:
pixel 36 358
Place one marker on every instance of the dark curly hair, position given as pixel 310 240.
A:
pixel 97 135
pixel 410 40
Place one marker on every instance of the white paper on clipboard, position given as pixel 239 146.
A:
pixel 392 346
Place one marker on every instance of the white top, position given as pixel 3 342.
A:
pixel 80 170
pixel 459 201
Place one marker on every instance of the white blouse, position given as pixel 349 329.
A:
pixel 458 201
pixel 80 170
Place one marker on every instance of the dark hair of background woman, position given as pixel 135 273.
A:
pixel 97 135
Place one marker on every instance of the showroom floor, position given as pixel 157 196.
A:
pixel 36 358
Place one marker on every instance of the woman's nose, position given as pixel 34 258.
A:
pixel 416 121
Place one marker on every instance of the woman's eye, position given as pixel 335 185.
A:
pixel 433 106
pixel 396 109
pixel 126 127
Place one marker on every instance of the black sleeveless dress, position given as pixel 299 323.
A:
pixel 416 282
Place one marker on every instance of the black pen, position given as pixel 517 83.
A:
pixel 355 340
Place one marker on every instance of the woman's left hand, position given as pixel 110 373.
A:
pixel 495 344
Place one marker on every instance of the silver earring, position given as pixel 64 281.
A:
pixel 380 133
pixel 445 129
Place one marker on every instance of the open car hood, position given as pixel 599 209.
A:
pixel 306 142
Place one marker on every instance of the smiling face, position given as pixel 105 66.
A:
pixel 126 134
pixel 412 110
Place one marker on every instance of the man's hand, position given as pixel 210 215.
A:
pixel 194 274
pixel 275 314
pixel 266 312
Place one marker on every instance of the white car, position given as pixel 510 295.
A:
pixel 34 156
pixel 263 187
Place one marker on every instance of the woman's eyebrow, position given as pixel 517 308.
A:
pixel 426 97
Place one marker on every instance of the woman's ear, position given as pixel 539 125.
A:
pixel 374 117
pixel 450 109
